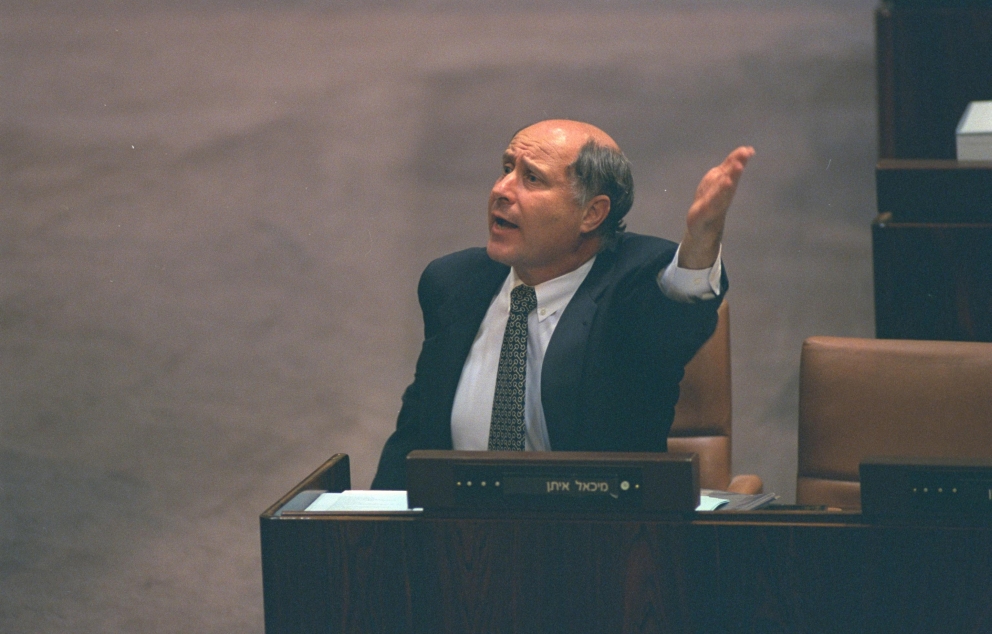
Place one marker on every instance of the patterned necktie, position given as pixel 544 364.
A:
pixel 506 431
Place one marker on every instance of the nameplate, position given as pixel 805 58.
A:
pixel 553 481
pixel 926 489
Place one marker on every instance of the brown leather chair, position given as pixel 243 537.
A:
pixel 862 398
pixel 703 413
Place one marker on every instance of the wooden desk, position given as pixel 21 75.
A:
pixel 748 572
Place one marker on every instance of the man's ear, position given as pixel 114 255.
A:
pixel 595 213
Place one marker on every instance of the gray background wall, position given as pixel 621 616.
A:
pixel 214 215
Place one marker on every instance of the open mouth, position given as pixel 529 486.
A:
pixel 506 224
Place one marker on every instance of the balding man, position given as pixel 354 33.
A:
pixel 565 333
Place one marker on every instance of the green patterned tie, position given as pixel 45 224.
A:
pixel 506 431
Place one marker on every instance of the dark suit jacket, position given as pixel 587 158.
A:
pixel 611 372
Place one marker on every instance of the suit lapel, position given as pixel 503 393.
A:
pixel 466 309
pixel 564 360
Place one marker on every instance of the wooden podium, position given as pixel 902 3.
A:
pixel 762 571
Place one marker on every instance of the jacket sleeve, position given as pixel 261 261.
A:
pixel 391 473
pixel 662 327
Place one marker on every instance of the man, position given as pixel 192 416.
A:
pixel 564 333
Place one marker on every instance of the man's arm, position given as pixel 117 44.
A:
pixel 691 285
pixel 704 222
pixel 391 473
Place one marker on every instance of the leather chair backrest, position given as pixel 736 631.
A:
pixel 861 398
pixel 703 413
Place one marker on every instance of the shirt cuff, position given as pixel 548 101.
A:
pixel 691 285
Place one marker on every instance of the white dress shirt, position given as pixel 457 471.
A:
pixel 472 411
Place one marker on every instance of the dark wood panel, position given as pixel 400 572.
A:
pixel 586 575
pixel 934 191
pixel 930 579
pixel 931 61
pixel 932 280
pixel 339 576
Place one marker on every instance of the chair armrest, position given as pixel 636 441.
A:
pixel 748 484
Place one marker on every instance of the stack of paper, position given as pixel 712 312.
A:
pixel 361 502
pixel 734 501
pixel 974 133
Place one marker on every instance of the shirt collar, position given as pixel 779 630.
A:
pixel 553 296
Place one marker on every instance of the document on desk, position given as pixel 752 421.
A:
pixel 354 501
pixel 735 501
pixel 707 503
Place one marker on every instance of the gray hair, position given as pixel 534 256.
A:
pixel 602 170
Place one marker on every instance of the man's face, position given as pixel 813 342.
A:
pixel 535 224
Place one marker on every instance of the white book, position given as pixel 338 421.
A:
pixel 974 133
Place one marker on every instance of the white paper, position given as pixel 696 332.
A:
pixel 977 118
pixel 706 503
pixel 353 501
pixel 396 501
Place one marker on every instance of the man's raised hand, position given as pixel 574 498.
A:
pixel 704 222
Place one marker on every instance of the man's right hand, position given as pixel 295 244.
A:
pixel 708 213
